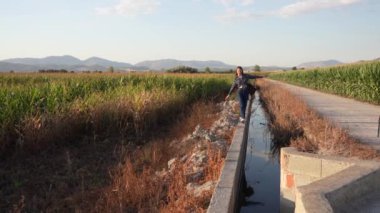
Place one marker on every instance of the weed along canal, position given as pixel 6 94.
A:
pixel 261 165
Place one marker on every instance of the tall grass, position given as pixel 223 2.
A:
pixel 294 124
pixel 40 108
pixel 357 81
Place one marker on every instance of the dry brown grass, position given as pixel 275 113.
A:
pixel 294 124
pixel 114 173
pixel 179 199
pixel 123 117
pixel 37 133
pixel 133 191
pixel 136 185
pixel 203 114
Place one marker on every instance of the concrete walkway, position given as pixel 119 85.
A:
pixel 358 118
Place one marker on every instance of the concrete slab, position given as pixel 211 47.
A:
pixel 358 118
pixel 345 185
pixel 330 167
pixel 299 164
pixel 221 200
pixel 228 177
pixel 369 203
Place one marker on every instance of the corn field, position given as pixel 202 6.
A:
pixel 37 109
pixel 358 81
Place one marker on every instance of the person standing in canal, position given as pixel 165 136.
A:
pixel 241 82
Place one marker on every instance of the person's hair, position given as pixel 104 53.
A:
pixel 241 68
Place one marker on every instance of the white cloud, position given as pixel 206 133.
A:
pixel 307 6
pixel 235 10
pixel 247 2
pixel 130 8
pixel 229 3
pixel 233 15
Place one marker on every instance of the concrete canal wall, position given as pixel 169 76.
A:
pixel 314 183
pixel 227 191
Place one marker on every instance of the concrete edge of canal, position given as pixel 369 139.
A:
pixel 314 183
pixel 226 193
pixel 308 182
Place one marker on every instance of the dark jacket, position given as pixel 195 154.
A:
pixel 242 81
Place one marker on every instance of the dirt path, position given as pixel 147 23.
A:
pixel 358 118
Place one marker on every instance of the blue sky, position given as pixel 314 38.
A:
pixel 239 32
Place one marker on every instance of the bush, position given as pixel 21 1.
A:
pixel 182 69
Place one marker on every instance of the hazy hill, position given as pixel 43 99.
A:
pixel 6 67
pixel 71 63
pixel 326 63
pixel 62 62
pixel 55 60
pixel 267 68
pixel 170 63
pixel 104 62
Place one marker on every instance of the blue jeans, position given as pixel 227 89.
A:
pixel 243 99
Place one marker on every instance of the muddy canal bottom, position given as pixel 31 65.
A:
pixel 262 167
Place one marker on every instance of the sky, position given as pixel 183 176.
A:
pixel 237 32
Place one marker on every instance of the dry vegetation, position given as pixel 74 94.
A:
pixel 294 124
pixel 40 110
pixel 138 185
pixel 95 142
pixel 111 175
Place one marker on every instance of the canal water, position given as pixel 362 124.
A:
pixel 262 167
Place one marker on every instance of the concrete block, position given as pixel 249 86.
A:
pixel 220 201
pixel 283 178
pixel 237 140
pixel 305 165
pixel 312 203
pixel 232 156
pixel 363 181
pixel 284 159
pixel 229 174
pixel 330 167
pixel 288 194
pixel 302 180
pixel 327 184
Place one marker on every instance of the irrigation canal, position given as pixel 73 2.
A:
pixel 262 167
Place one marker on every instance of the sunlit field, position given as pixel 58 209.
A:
pixel 359 81
pixel 68 141
pixel 39 109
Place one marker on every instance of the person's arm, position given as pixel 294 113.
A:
pixel 231 89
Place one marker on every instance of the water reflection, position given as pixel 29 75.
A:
pixel 262 164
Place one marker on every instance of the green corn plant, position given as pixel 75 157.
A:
pixel 358 81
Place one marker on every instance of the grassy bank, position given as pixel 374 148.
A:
pixel 112 174
pixel 99 140
pixel 358 81
pixel 38 110
pixel 294 124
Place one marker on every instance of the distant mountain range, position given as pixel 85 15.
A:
pixel 200 65
pixel 314 64
pixel 170 63
pixel 62 62
pixel 71 63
